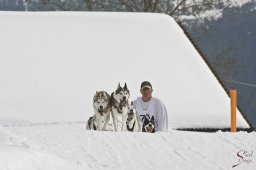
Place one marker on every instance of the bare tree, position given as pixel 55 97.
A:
pixel 170 7
pixel 175 7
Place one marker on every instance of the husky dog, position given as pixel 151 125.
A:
pixel 148 124
pixel 133 123
pixel 101 105
pixel 119 105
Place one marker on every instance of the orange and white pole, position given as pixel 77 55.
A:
pixel 233 97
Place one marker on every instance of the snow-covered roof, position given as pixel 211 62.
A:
pixel 52 63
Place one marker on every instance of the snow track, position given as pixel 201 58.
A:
pixel 19 153
pixel 68 145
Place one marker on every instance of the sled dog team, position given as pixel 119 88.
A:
pixel 117 106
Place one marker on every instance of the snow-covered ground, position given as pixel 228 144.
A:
pixel 51 64
pixel 68 146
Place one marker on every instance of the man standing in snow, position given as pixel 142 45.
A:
pixel 147 104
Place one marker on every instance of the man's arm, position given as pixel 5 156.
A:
pixel 161 117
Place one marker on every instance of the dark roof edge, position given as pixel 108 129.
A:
pixel 211 68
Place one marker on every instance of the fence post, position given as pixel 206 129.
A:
pixel 233 97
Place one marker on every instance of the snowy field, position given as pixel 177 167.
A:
pixel 50 146
pixel 51 64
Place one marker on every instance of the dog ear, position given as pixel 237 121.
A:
pixel 146 121
pixel 118 86
pixel 104 94
pixel 152 118
pixel 131 102
pixel 107 94
pixel 147 116
pixel 125 86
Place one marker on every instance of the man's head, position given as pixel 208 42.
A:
pixel 146 90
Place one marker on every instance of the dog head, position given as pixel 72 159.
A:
pixel 122 94
pixel 101 102
pixel 131 112
pixel 148 124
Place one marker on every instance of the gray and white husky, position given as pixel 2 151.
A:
pixel 119 106
pixel 101 105
pixel 133 122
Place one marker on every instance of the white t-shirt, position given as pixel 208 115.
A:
pixel 155 108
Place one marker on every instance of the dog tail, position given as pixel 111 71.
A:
pixel 90 124
pixel 87 124
pixel 111 100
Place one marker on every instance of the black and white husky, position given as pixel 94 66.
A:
pixel 133 123
pixel 148 124
pixel 101 105
pixel 119 106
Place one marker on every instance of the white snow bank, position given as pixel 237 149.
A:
pixel 17 155
pixel 71 143
pixel 52 63
pixel 12 158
